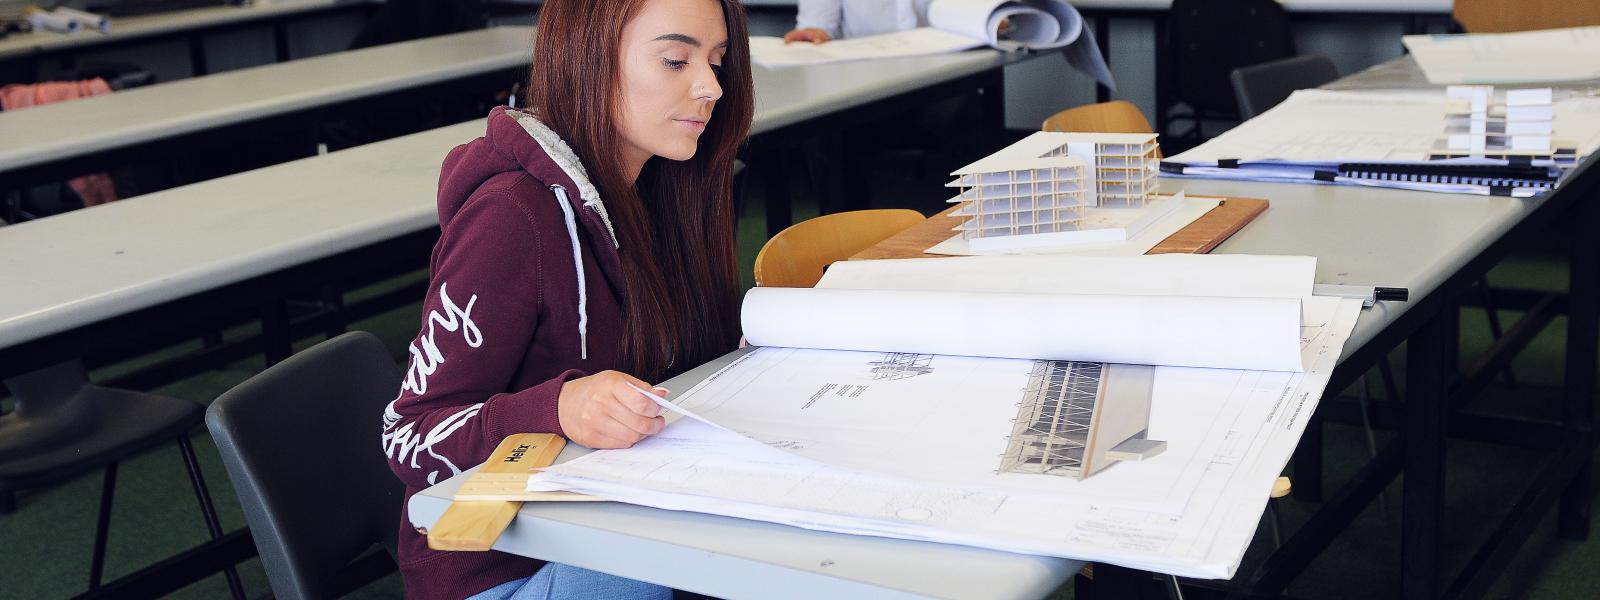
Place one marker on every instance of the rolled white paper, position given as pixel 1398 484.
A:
pixel 1227 333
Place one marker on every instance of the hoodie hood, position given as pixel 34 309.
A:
pixel 518 141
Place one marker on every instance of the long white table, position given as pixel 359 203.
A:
pixel 69 136
pixel 134 28
pixel 86 266
pixel 1303 220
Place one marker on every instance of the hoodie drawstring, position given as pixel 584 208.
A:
pixel 577 262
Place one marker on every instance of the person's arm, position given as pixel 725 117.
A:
pixel 479 318
pixel 818 21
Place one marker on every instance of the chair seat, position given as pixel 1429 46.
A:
pixel 123 422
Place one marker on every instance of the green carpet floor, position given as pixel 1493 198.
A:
pixel 45 545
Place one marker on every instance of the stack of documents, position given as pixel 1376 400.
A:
pixel 914 439
pixel 1382 139
pixel 1548 56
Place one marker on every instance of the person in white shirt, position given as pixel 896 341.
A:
pixel 823 20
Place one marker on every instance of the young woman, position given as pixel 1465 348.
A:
pixel 586 247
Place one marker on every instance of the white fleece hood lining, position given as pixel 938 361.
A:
pixel 558 151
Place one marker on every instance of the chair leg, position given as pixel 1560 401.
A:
pixel 97 562
pixel 208 510
pixel 1495 330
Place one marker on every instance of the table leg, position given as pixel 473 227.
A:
pixel 197 55
pixel 1427 366
pixel 1161 66
pixel 1583 337
pixel 992 101
pixel 779 210
pixel 1102 38
pixel 276 344
pixel 1111 581
pixel 280 40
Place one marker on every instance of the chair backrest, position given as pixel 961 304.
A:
pixel 1263 86
pixel 1116 116
pixel 1499 16
pixel 1208 39
pixel 797 255
pixel 301 442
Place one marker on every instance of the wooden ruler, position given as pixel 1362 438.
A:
pixel 491 497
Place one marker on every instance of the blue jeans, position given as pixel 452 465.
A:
pixel 565 582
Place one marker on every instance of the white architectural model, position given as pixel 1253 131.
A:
pixel 1519 123
pixel 1039 190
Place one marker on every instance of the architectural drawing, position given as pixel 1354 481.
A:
pixel 1076 418
pixel 900 365
pixel 1046 184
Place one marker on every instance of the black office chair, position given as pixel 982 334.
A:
pixel 1207 40
pixel 1260 87
pixel 64 426
pixel 301 444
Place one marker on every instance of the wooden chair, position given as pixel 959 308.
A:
pixel 1116 116
pixel 797 255
pixel 1499 16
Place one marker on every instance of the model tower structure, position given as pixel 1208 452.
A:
pixel 1038 191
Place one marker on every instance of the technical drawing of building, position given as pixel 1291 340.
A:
pixel 1045 183
pixel 900 365
pixel 1076 418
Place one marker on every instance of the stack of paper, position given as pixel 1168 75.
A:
pixel 1547 56
pixel 885 444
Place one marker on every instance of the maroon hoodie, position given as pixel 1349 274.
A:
pixel 524 294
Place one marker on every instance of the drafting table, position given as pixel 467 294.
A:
pixel 1436 245
pixel 190 23
pixel 70 138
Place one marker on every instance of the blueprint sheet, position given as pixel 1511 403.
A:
pixel 1190 511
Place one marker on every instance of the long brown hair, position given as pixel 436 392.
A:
pixel 675 226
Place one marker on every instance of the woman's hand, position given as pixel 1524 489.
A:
pixel 602 411
pixel 809 34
